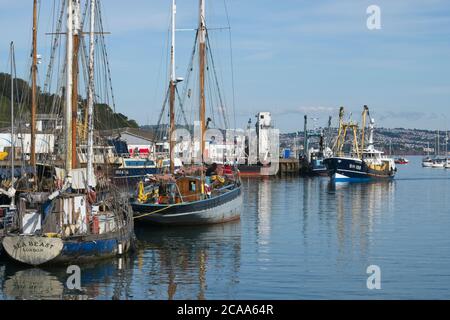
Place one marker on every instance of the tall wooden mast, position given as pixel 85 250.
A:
pixel 76 46
pixel 34 91
pixel 172 92
pixel 68 90
pixel 90 103
pixel 202 62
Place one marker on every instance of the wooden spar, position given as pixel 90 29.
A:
pixel 34 92
pixel 202 58
pixel 76 46
pixel 90 104
pixel 172 93
pixel 85 122
pixel 68 90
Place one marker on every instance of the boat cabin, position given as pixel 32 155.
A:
pixel 190 188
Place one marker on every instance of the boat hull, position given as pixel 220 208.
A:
pixel 220 209
pixel 38 250
pixel 354 170
pixel 255 170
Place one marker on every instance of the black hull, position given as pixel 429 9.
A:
pixel 354 170
pixel 219 209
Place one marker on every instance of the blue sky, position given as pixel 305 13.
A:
pixel 290 57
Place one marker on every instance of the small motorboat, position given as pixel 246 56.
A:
pixel 401 160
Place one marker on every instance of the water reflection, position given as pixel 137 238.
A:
pixel 264 211
pixel 338 215
pixel 33 284
pixel 185 259
pixel 357 207
pixel 297 238
pixel 108 279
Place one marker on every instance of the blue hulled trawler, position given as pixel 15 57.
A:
pixel 362 163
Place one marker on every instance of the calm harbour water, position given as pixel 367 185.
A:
pixel 297 239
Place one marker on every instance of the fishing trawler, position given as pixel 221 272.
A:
pixel 312 160
pixel 76 216
pixel 363 163
pixel 191 195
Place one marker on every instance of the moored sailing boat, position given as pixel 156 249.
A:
pixel 427 162
pixel 363 164
pixel 78 220
pixel 447 159
pixel 187 199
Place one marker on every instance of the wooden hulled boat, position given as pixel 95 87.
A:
pixel 198 197
pixel 76 215
pixel 186 205
pixel 69 229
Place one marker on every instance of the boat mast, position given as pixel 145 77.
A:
pixel 90 102
pixel 337 147
pixel 172 92
pixel 69 85
pixel 76 45
pixel 364 118
pixel 202 58
pixel 446 144
pixel 12 114
pixel 438 142
pixel 306 138
pixel 34 93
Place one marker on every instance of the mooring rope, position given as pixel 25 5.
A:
pixel 150 213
